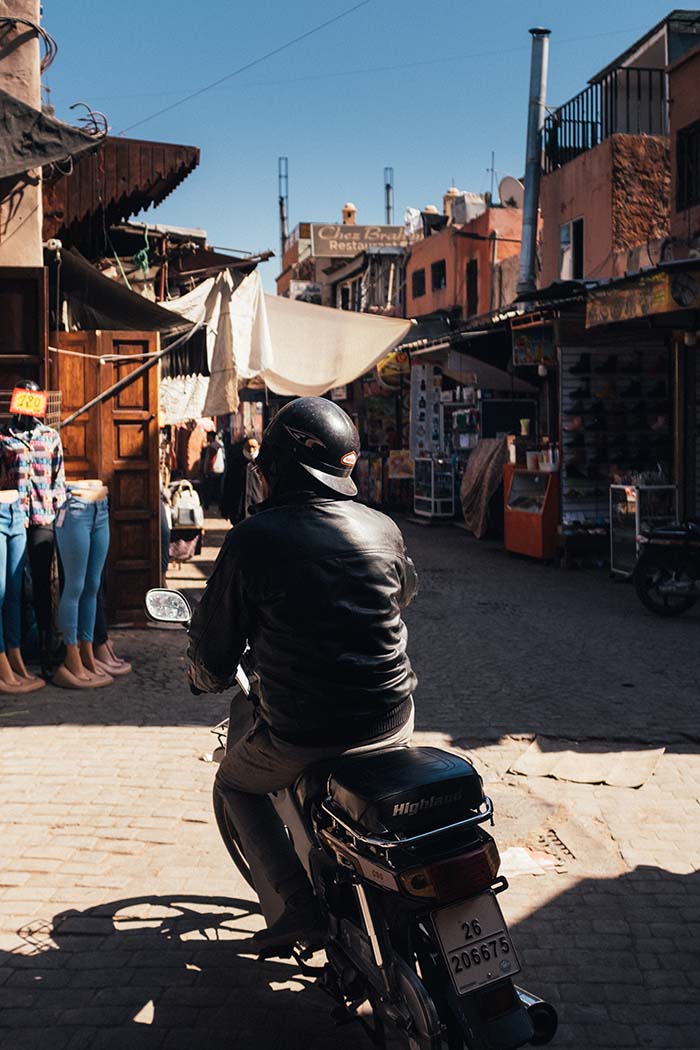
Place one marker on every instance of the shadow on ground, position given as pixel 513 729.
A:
pixel 164 971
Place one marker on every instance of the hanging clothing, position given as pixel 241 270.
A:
pixel 82 537
pixel 13 546
pixel 31 461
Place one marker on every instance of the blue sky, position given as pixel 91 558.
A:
pixel 430 89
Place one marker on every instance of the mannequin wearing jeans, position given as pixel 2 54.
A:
pixel 31 460
pixel 82 537
pixel 14 677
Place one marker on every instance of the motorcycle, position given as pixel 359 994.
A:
pixel 407 880
pixel 667 573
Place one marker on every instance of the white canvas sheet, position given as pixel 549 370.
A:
pixel 296 348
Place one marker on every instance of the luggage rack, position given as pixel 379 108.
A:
pixel 383 843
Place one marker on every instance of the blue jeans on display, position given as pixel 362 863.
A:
pixel 82 538
pixel 13 545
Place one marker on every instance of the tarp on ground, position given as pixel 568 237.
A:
pixel 588 762
pixel 298 349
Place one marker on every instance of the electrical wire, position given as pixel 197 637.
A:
pixel 50 45
pixel 248 65
pixel 357 71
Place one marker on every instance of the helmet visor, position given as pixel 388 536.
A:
pixel 345 486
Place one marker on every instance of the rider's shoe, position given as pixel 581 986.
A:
pixel 299 923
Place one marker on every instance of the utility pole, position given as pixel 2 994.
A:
pixel 21 210
pixel 389 196
pixel 283 202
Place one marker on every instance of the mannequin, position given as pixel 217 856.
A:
pixel 102 654
pixel 14 676
pixel 31 460
pixel 82 536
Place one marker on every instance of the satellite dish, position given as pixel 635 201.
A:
pixel 511 192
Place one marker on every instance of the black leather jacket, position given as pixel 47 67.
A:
pixel 315 586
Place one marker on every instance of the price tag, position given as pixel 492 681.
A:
pixel 28 402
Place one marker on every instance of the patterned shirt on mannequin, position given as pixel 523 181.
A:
pixel 32 462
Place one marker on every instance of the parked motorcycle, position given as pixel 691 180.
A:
pixel 667 573
pixel 406 876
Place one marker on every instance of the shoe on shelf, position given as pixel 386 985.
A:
pixel 609 364
pixel 573 425
pixel 633 390
pixel 582 366
pixel 575 471
pixel 576 409
pixel 577 441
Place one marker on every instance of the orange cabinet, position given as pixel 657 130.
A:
pixel 531 512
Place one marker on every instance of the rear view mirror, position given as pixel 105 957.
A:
pixel 168 606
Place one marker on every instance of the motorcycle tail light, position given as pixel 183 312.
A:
pixel 449 880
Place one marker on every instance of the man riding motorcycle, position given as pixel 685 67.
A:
pixel 314 584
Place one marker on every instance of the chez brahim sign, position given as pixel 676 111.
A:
pixel 335 240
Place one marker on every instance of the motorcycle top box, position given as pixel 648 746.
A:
pixel 405 790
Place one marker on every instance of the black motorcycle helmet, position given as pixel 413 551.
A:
pixel 318 436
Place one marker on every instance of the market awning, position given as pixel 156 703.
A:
pixel 98 302
pixel 469 371
pixel 122 179
pixel 32 139
pixel 296 348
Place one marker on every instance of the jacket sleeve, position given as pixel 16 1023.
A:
pixel 220 625
pixel 409 581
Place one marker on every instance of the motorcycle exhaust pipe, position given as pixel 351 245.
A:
pixel 542 1015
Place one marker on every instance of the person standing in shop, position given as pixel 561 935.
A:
pixel 212 469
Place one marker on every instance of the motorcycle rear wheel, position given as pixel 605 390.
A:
pixel 231 840
pixel 649 573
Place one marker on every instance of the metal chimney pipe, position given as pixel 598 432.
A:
pixel 533 159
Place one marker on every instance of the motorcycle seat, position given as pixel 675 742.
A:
pixel 398 790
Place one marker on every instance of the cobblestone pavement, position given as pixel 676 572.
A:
pixel 119 909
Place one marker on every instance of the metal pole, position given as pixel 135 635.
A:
pixel 389 196
pixel 283 201
pixel 533 159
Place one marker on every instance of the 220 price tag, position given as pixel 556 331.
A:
pixel 28 402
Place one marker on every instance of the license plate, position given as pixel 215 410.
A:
pixel 475 942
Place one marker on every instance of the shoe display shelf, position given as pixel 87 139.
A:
pixel 615 420
pixel 632 509
pixel 531 511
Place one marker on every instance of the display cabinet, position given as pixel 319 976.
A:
pixel 531 511
pixel 433 491
pixel 632 507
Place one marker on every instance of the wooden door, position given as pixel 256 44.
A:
pixel 76 374
pixel 129 440
pixel 116 441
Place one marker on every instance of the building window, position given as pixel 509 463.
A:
pixel 571 251
pixel 688 167
pixel 472 287
pixel 438 275
pixel 418 283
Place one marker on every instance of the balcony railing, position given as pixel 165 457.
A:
pixel 626 101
